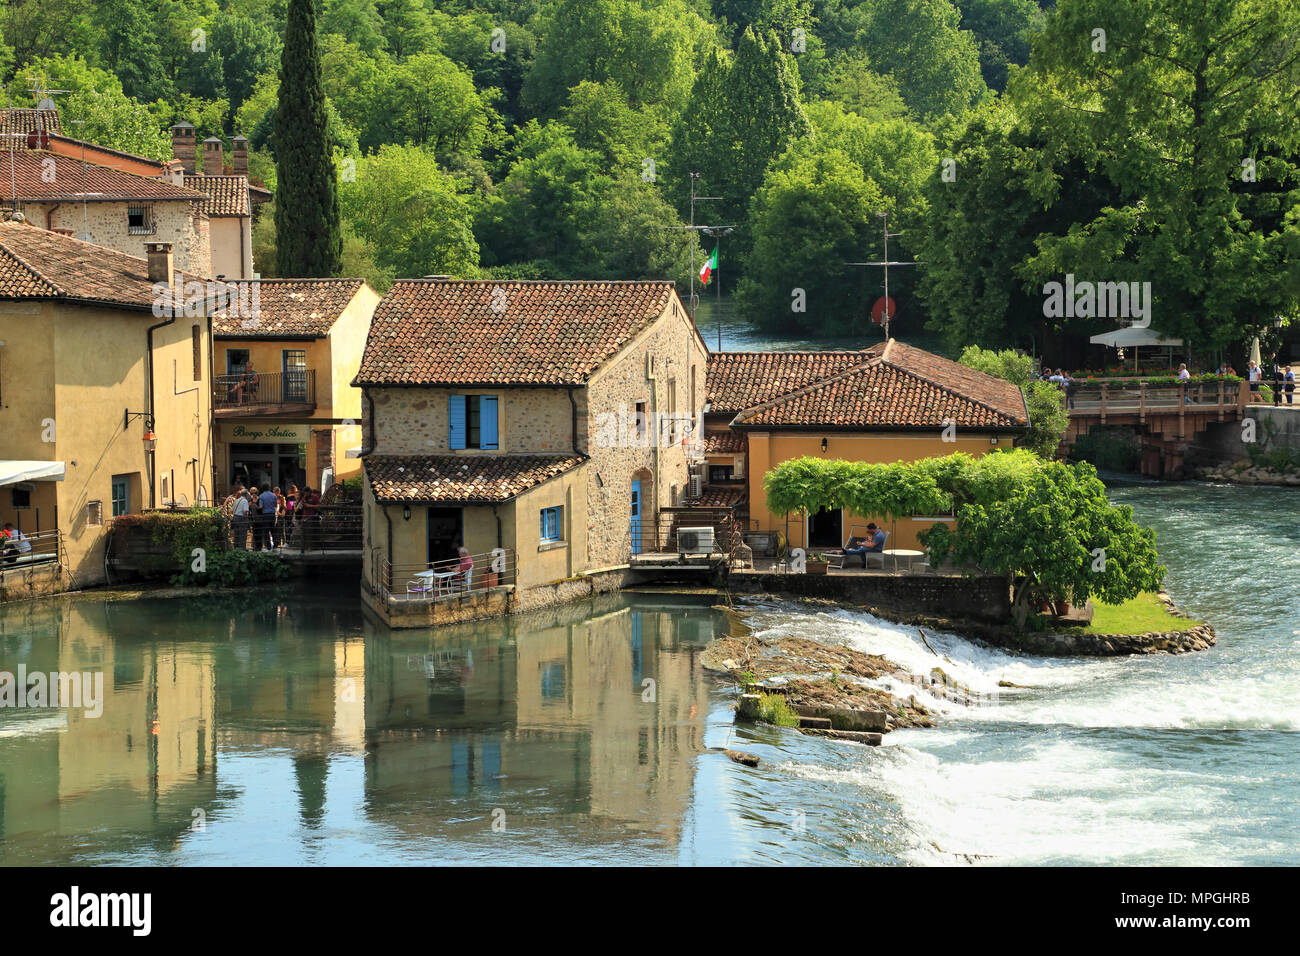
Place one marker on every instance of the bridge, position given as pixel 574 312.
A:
pixel 1167 418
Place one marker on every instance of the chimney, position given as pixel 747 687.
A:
pixel 159 255
pixel 173 172
pixel 183 144
pixel 214 163
pixel 239 155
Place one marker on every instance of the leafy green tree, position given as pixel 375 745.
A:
pixel 35 29
pixel 1003 30
pixel 408 27
pixel 648 51
pixel 356 20
pixel 623 235
pixel 920 44
pixel 131 49
pixel 308 242
pixel 809 221
pixel 248 49
pixel 410 213
pixel 603 121
pixel 1048 418
pixel 857 87
pixel 778 16
pixel 1189 109
pixel 741 116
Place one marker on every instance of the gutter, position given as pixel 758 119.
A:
pixel 152 421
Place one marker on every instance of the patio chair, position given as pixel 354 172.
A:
pixel 418 586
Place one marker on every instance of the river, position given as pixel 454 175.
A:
pixel 283 727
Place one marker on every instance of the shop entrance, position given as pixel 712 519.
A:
pixel 276 465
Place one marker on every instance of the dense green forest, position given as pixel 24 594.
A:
pixel 1010 142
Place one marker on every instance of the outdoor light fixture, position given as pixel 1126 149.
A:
pixel 1277 321
pixel 406 512
pixel 993 440
pixel 823 444
pixel 149 438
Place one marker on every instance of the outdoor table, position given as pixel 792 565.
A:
pixel 908 553
pixel 438 579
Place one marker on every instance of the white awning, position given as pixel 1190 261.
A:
pixel 12 472
pixel 1131 337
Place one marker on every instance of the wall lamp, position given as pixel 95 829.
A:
pixel 406 512
pixel 149 438
pixel 823 444
pixel 993 440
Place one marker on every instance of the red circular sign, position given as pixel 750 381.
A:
pixel 878 310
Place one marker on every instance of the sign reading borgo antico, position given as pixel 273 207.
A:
pixel 269 433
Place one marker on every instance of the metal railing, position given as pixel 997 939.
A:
pixel 660 535
pixel 1119 396
pixel 330 528
pixel 263 389
pixel 444 580
pixel 43 549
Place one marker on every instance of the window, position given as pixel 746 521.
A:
pixel 642 422
pixel 121 495
pixel 552 524
pixel 472 421
pixel 719 473
pixel 166 498
pixel 94 513
pixel 139 220
pixel 295 375
pixel 236 361
pixel 196 347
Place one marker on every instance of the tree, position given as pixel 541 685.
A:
pixel 247 50
pixel 808 221
pixel 308 242
pixel 1190 110
pixel 742 115
pixel 357 20
pixel 935 64
pixel 1048 419
pixel 604 122
pixel 1003 30
pixel 1056 537
pixel 410 214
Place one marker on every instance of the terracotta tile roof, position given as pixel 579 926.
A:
pixel 477 479
pixel 724 443
pixel 71 181
pixel 899 387
pixel 227 195
pixel 292 307
pixel 26 120
pixel 740 380
pixel 447 332
pixel 38 264
pixel 718 496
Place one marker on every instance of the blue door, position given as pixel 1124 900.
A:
pixel 635 531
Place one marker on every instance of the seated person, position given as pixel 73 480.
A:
pixel 856 546
pixel 877 539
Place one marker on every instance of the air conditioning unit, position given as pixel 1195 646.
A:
pixel 696 487
pixel 694 540
pixel 738 467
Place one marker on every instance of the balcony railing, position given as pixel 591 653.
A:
pixel 331 528
pixel 443 580
pixel 44 549
pixel 261 391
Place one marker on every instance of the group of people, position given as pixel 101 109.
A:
pixel 274 518
pixel 13 543
pixel 1283 381
pixel 242 388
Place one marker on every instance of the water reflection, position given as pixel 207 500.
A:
pixel 285 727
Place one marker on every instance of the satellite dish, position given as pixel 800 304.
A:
pixel 85 237
pixel 46 104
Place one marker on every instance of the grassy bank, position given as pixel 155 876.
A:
pixel 1139 615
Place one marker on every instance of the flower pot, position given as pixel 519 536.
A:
pixel 490 579
pixel 816 567
pixel 1062 608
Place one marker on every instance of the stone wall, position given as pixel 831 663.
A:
pixel 178 222
pixel 414 421
pixel 607 432
pixel 1274 428
pixel 986 598
pixel 18 583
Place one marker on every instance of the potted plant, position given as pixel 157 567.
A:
pixel 816 564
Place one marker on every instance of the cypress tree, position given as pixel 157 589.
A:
pixel 308 239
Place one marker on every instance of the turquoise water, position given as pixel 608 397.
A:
pixel 285 728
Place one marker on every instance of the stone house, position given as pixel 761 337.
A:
pixel 550 420
pixel 891 402
pixel 285 407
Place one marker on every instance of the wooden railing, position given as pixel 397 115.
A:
pixel 443 580
pixel 1117 396
pixel 262 389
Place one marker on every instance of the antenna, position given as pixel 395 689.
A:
pixel 84 235
pixel 888 314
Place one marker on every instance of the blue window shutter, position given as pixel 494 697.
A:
pixel 456 420
pixel 487 422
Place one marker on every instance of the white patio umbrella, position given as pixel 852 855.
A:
pixel 1133 337
pixel 1254 351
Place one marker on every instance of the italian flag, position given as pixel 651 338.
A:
pixel 710 264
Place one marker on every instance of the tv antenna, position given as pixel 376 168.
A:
pixel 888 310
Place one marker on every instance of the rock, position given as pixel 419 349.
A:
pixel 846 718
pixel 739 756
pixel 748 709
pixel 857 736
pixel 815 723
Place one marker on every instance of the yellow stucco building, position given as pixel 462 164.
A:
pixel 105 398
pixel 892 402
pixel 286 410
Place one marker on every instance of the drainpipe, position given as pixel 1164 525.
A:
pixel 49 216
pixel 159 256
pixel 389 519
pixel 573 406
